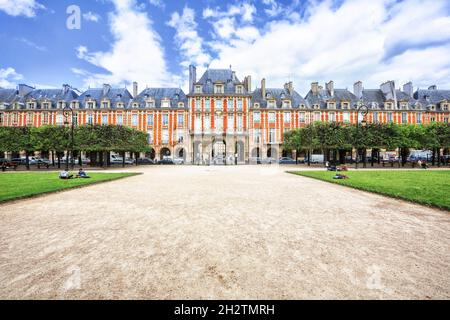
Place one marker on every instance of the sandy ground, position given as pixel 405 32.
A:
pixel 222 233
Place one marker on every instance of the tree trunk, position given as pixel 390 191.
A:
pixel 123 159
pixel 59 160
pixel 53 158
pixel 309 158
pixel 364 158
pixel 27 160
pixel 439 156
pixel 372 156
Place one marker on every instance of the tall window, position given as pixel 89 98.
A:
pixel 375 117
pixel 317 116
pixel 332 117
pixel 198 104
pixel 150 120
pixel 150 104
pixel 198 89
pixel 165 119
pixel 180 136
pixel 286 104
pixel 90 119
pixel 239 90
pixel 1 119
pixel 31 105
pixel 257 136
pixel 240 126
pixel 419 117
pixel 271 117
pixel 240 104
pixel 256 117
pixel 404 117
pixel 46 105
pixel 287 117
pixel 150 136
pixel 59 120
pixel 219 104
pixel 346 116
pixel 207 104
pixel 165 136
pixel 207 122
pixel 119 120
pixel 230 104
pixel 272 135
pixel 231 122
pixel 218 122
pixel 104 119
pixel 180 119
pixel 302 117
pixel 134 120
pixel 390 117
pixel 198 122
pixel 45 118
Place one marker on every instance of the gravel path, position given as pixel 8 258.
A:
pixel 222 233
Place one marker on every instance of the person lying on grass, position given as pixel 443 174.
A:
pixel 82 174
pixel 65 175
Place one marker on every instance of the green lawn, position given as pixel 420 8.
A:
pixel 426 187
pixel 23 185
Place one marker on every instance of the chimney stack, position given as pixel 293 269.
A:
pixel 330 88
pixel 106 88
pixel 408 89
pixel 248 83
pixel 315 88
pixel 135 89
pixel 358 89
pixel 289 87
pixel 66 88
pixel 192 78
pixel 388 89
pixel 263 88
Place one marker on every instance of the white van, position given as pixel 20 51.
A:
pixel 317 158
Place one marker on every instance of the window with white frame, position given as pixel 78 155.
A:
pixel 180 136
pixel 180 118
pixel 331 105
pixel 240 123
pixel 287 117
pixel 317 116
pixel 45 118
pixel 419 117
pixel 150 120
pixel 2 117
pixel 345 105
pixel 239 90
pixel 240 104
pixel 231 122
pixel 332 117
pixel 286 104
pixel 165 136
pixel 165 104
pixel 198 122
pixel 207 104
pixel 257 117
pixel 404 117
pixel 46 106
pixel 90 119
pixel 150 104
pixel 218 122
pixel 257 135
pixel 346 117
pixel 165 119
pixel 104 119
pixel 445 107
pixel 219 104
pixel 390 117
pixel 198 104
pixel 272 135
pixel 207 121
pixel 90 105
pixel 375 117
pixel 150 136
pixel 198 89
pixel 59 119
pixel 218 89
pixel 119 120
pixel 134 120
pixel 301 117
pixel 230 104
pixel 105 104
pixel 271 104
pixel 271 117
pixel 30 105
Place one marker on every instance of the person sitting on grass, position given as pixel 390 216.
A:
pixel 64 175
pixel 82 174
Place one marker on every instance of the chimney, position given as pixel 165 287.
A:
pixel 330 88
pixel 233 75
pixel 358 89
pixel 192 78
pixel 289 87
pixel 388 89
pixel 248 83
pixel 66 88
pixel 24 90
pixel 135 89
pixel 408 89
pixel 315 88
pixel 433 87
pixel 106 88
pixel 263 88
pixel 320 88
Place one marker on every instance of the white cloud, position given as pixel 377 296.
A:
pixel 245 11
pixel 158 3
pixel 32 44
pixel 360 40
pixel 25 8
pixel 93 17
pixel 136 52
pixel 8 77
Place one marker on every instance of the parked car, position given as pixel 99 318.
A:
pixel 255 160
pixel 178 161
pixel 18 161
pixel 114 159
pixel 316 158
pixel 7 164
pixel 219 160
pixel 269 160
pixel 166 161
pixel 287 160
pixel 145 161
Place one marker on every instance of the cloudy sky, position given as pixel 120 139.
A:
pixel 154 41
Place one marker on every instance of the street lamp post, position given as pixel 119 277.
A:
pixel 68 112
pixel 363 110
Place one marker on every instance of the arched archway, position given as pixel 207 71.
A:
pixel 165 152
pixel 151 154
pixel 256 156
pixel 181 153
pixel 240 151
pixel 219 151
pixel 272 154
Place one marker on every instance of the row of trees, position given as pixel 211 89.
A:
pixel 337 139
pixel 96 141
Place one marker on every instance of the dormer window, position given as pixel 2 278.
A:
pixel 120 105
pixel 239 89
pixel 345 105
pixel 316 106
pixel 218 89
pixel 256 105
pixel 432 107
pixel 46 106
pixel 180 105
pixel 90 105
pixel 135 105
pixel 445 107
pixel 30 105
pixel 286 104
pixel 74 105
pixel 331 105
pixel 403 105
pixel 150 104
pixel 165 104
pixel 271 104
pixel 388 105
pixel 105 105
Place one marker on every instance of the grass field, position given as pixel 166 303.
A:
pixel 24 185
pixel 425 187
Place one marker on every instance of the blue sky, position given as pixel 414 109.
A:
pixel 153 42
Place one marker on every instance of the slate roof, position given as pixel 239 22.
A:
pixel 224 76
pixel 428 97
pixel 339 96
pixel 175 95
pixel 11 96
pixel 279 95
pixel 7 95
pixel 112 94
